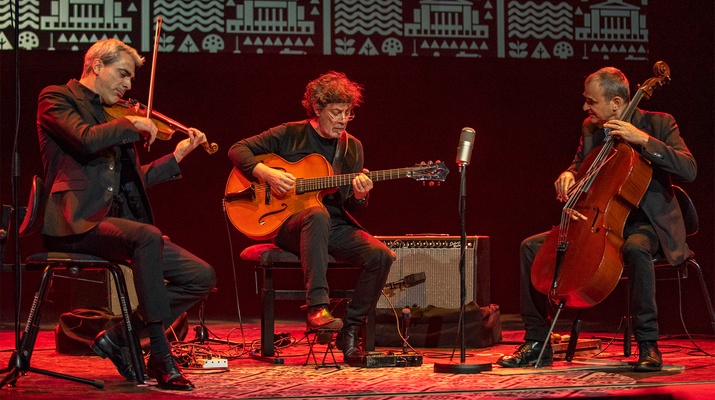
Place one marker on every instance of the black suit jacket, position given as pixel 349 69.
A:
pixel 80 153
pixel 669 156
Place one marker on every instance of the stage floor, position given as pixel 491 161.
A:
pixel 688 373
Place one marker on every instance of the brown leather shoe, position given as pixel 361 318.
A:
pixel 649 359
pixel 527 354
pixel 320 318
pixel 167 373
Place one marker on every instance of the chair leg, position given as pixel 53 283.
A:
pixel 708 302
pixel 268 301
pixel 131 335
pixel 369 333
pixel 20 360
pixel 627 331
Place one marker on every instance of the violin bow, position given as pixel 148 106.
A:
pixel 150 101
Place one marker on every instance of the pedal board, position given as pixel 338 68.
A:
pixel 381 360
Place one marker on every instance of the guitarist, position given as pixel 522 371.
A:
pixel 315 232
pixel 655 228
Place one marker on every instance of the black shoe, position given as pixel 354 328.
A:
pixel 167 373
pixel 320 318
pixel 527 354
pixel 649 359
pixel 105 345
pixel 347 342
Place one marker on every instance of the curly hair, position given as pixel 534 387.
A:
pixel 331 87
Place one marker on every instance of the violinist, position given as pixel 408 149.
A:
pixel 654 228
pixel 97 202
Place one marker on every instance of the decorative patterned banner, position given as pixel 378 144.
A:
pixel 611 29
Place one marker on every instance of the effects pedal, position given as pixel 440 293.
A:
pixel 380 360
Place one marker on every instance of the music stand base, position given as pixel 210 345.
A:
pixel 461 368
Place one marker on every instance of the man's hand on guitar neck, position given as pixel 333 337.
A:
pixel 280 182
pixel 361 185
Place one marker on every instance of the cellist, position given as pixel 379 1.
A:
pixel 97 202
pixel 654 228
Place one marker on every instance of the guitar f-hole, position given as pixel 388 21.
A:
pixel 262 220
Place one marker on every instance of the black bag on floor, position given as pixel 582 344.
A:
pixel 435 327
pixel 76 330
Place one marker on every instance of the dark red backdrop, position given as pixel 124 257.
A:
pixel 526 113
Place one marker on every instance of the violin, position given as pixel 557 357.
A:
pixel 167 126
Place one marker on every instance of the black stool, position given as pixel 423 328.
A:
pixel 271 258
pixel 74 263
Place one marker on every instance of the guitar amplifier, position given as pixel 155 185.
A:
pixel 438 258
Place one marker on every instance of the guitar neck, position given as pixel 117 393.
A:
pixel 324 182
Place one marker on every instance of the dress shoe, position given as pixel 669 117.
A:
pixel 105 345
pixel 167 373
pixel 319 318
pixel 527 354
pixel 347 342
pixel 649 359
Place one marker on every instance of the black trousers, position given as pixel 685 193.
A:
pixel 168 279
pixel 638 250
pixel 312 234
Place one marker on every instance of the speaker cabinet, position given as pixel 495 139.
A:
pixel 438 257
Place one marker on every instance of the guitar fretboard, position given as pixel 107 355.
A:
pixel 312 184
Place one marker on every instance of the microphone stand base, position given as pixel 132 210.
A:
pixel 461 368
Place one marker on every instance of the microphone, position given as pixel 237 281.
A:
pixel 408 281
pixel 464 150
pixel 406 314
pixel 414 279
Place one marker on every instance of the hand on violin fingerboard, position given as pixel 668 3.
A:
pixel 184 147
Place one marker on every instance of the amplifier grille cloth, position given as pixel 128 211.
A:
pixel 438 257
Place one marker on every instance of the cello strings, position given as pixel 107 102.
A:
pixel 581 186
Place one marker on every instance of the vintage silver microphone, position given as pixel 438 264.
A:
pixel 466 144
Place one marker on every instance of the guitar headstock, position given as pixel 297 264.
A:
pixel 429 172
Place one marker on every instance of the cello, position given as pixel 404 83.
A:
pixel 580 262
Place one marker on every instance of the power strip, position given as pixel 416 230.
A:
pixel 213 363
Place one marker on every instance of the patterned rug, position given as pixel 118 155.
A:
pixel 607 375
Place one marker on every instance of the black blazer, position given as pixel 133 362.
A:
pixel 80 152
pixel 669 157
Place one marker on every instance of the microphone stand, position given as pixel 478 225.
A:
pixel 14 365
pixel 462 367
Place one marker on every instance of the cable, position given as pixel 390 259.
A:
pixel 233 268
pixel 397 323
